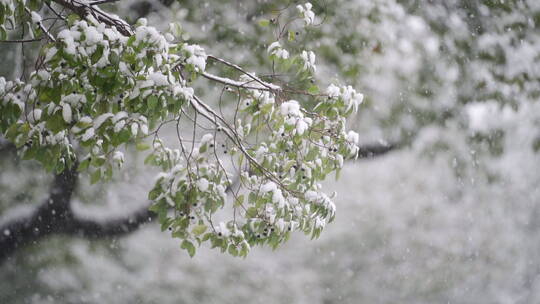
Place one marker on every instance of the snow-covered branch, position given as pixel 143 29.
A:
pixel 83 9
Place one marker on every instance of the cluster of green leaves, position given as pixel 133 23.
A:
pixel 96 90
pixel 98 87
pixel 279 175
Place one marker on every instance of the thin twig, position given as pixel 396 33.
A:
pixel 40 25
pixel 21 41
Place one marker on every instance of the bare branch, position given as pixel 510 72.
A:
pixel 98 2
pixel 269 86
pixel 21 41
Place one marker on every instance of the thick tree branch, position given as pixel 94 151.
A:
pixel 55 216
pixel 47 219
pixel 371 151
pixel 116 227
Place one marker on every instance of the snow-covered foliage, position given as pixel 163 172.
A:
pixel 101 87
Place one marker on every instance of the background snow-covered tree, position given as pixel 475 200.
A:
pixel 451 217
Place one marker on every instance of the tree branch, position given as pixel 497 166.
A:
pixel 21 41
pixel 45 220
pixel 371 151
pixel 98 2
pixel 269 86
pixel 83 9
pixel 55 216
pixel 116 227
pixel 40 25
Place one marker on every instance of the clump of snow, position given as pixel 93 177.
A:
pixel 118 158
pixel 483 116
pixel 36 18
pixel 291 107
pixel 352 137
pixel 88 134
pixel 92 35
pixel 309 60
pixel 196 56
pixel 98 121
pixel 66 112
pixel 307 14
pixel 159 79
pixel 202 184
pixel 276 49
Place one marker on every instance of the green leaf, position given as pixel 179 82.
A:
pixel 72 18
pixel 192 196
pixel 292 35
pixel 199 229
pixel 152 102
pixel 313 89
pixel 264 22
pixel 108 172
pixel 251 212
pixel 94 178
pixel 203 148
pixel 150 159
pixel 152 195
pixel 56 123
pixel 124 136
pixel 233 250
pixel 2 16
pixel 3 33
pixel 98 161
pixel 97 54
pixel 189 247
pixel 239 200
pixel 141 146
pixel 338 173
pixel 35 5
pixel 84 165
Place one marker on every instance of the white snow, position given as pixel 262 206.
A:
pixel 98 121
pixel 88 134
pixel 269 187
pixel 202 184
pixel 309 60
pixel 36 18
pixel 118 157
pixel 66 112
pixel 92 35
pixel 197 56
pixel 159 79
pixel 306 12
pixel 352 137
pixel 290 107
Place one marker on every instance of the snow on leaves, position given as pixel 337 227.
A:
pixel 251 180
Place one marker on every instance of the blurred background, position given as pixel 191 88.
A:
pixel 450 214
